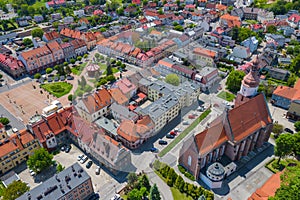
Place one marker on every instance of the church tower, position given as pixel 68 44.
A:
pixel 249 85
pixel 250 82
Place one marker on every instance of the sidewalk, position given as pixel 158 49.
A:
pixel 163 188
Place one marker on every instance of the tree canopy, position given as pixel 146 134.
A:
pixel 154 193
pixel 277 128
pixel 4 121
pixel 284 145
pixel 37 32
pixel 173 79
pixel 14 190
pixel 234 80
pixel 40 160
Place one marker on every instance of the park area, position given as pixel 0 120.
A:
pixel 57 89
pixel 226 96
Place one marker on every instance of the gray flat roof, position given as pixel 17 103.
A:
pixel 107 124
pixel 58 185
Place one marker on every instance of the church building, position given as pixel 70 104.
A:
pixel 235 133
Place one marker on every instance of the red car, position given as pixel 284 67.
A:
pixel 191 116
pixel 172 133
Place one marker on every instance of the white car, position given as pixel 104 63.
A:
pixel 84 159
pixel 80 157
pixel 32 173
pixel 116 197
pixel 97 170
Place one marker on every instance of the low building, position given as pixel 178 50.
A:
pixel 134 133
pixel 79 47
pixel 205 55
pixel 284 95
pixel 120 113
pixel 51 36
pixel 241 52
pixel 16 149
pixel 78 13
pixel 68 50
pixel 55 4
pixel 277 73
pixel 294 110
pixel 126 87
pixel 57 52
pixel 94 106
pixel 71 183
pixel 12 66
pixel 230 21
pixel 251 43
pixel 118 96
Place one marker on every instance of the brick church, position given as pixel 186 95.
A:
pixel 235 133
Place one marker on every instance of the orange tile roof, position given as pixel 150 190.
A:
pixel 97 101
pixel 36 53
pixel 231 20
pixel 289 92
pixel 211 138
pixel 51 35
pixel 249 117
pixel 53 46
pixel 268 189
pixel 118 96
pixel 205 52
pixel 167 64
pixel 132 132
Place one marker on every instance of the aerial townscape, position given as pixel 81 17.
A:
pixel 149 99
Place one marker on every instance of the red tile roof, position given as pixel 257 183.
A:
pixel 268 189
pixel 11 62
pixel 205 52
pixel 231 20
pixel 294 18
pixel 118 96
pixel 51 35
pixel 289 92
pixel 38 52
pixel 125 86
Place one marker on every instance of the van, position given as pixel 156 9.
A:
pixel 185 123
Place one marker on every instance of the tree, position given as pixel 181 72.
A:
pixel 68 70
pixel 66 63
pixel 284 145
pixel 14 190
pixel 65 40
pixel 1 76
pixel 172 79
pixel 5 121
pixel 27 41
pixel 37 76
pixel 85 55
pixel 143 192
pixel 277 128
pixel 82 82
pixel 40 160
pixel 79 58
pixel 179 28
pixel 131 178
pixel 70 97
pixel 59 168
pixel 234 80
pixel 271 29
pixel 179 183
pixel 49 70
pixel 144 182
pixel 295 65
pixel 37 32
pixel 297 126
pixel 154 193
pixel 109 70
pixel 110 78
pixel 72 61
pixel 134 195
pixel 290 184
pixel 97 56
pixel 291 80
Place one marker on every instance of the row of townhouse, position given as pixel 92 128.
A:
pixel 66 125
pixel 15 148
pixel 51 54
pixel 12 66
pixel 135 55
pixel 89 38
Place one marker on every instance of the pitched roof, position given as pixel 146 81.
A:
pixel 51 35
pixel 53 46
pixel 96 101
pixel 288 92
pixel 11 62
pixel 125 85
pixel 268 189
pixel 134 131
pixel 231 20
pixel 205 52
pixel 36 53
pixel 118 96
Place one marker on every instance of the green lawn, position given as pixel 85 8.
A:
pixel 177 195
pixel 58 89
pixel 226 96
pixel 184 133
pixel 1 188
pixel 274 167
pixel 78 69
pixel 39 4
pixel 114 70
pixel 102 66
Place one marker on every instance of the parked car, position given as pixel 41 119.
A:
pixel 97 170
pixel 32 173
pixel 69 77
pixel 63 148
pixel 62 78
pixel 116 197
pixel 177 130
pixel 56 79
pixel 94 196
pixel 80 157
pixel 162 142
pixel 170 136
pixel 153 149
pixel 289 130
pixel 84 159
pixel 89 164
pixel 185 123
pixel 191 116
pixel 49 79
pixel 68 148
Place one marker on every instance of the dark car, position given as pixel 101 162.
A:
pixel 49 79
pixel 289 130
pixel 162 142
pixel 68 148
pixel 62 78
pixel 70 77
pixel 153 149
pixel 89 164
pixel 56 79
pixel 170 136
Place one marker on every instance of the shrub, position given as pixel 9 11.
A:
pixel 66 63
pixel 4 121
pixel 189 176
pixel 70 97
pixel 79 58
pixel 85 56
pixel 72 60
pixel 37 76
pixel 49 70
